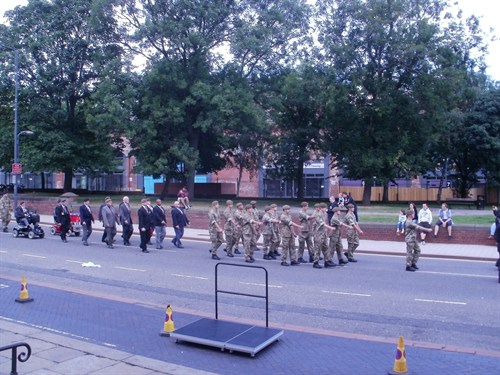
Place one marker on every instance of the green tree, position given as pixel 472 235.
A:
pixel 186 104
pixel 65 49
pixel 388 58
pixel 298 114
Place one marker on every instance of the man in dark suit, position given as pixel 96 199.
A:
pixel 145 215
pixel 160 223
pixel 86 219
pixel 179 221
pixel 126 221
pixel 63 218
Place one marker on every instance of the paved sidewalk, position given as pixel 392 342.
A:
pixel 54 354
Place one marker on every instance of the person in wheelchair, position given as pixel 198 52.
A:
pixel 22 215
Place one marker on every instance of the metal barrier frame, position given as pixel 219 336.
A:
pixel 22 357
pixel 217 290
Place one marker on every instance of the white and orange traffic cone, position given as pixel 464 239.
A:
pixel 24 295
pixel 168 326
pixel 400 362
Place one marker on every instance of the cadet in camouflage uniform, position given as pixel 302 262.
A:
pixel 5 211
pixel 288 238
pixel 247 222
pixel 412 246
pixel 320 238
pixel 229 227
pixel 335 244
pixel 276 238
pixel 305 236
pixel 267 234
pixel 215 229
pixel 352 233
pixel 256 227
pixel 240 210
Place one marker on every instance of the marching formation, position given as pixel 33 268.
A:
pixel 321 236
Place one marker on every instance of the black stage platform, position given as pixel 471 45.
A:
pixel 229 335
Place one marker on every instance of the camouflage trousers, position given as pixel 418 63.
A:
pixel 305 238
pixel 412 253
pixel 217 239
pixel 352 243
pixel 321 246
pixel 335 246
pixel 288 249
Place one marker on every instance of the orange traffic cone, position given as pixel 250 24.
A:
pixel 400 362
pixel 168 326
pixel 23 295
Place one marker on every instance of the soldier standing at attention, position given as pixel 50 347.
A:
pixel 215 229
pixel 320 239
pixel 412 246
pixel 267 234
pixel 275 239
pixel 352 233
pixel 5 211
pixel 229 227
pixel 247 223
pixel 335 245
pixel 305 236
pixel 288 238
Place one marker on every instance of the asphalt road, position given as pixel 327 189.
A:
pixel 446 302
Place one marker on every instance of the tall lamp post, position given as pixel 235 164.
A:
pixel 16 159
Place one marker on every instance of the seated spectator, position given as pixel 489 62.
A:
pixel 22 214
pixel 400 226
pixel 424 220
pixel 183 197
pixel 413 207
pixel 444 220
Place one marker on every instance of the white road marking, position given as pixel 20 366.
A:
pixel 3 252
pixel 459 274
pixel 75 261
pixel 35 256
pixel 190 277
pixel 130 269
pixel 258 284
pixel 437 301
pixel 3 286
pixel 347 294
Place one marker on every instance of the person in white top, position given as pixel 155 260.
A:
pixel 424 220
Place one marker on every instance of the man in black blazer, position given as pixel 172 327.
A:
pixel 63 218
pixel 126 220
pixel 86 219
pixel 179 221
pixel 145 215
pixel 160 223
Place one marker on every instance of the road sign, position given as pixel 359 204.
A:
pixel 17 168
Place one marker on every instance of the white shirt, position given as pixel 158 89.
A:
pixel 425 216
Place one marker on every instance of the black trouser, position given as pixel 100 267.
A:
pixel 64 230
pixel 145 237
pixel 127 229
pixel 87 231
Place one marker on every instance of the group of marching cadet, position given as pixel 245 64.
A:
pixel 321 236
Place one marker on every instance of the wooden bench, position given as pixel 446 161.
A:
pixel 461 201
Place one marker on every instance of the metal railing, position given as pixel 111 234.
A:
pixel 22 357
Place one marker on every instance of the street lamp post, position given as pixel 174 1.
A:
pixel 16 156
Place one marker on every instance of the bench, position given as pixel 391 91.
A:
pixel 461 201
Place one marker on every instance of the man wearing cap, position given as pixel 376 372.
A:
pixel 159 223
pixel 126 220
pixel 247 222
pixel 214 229
pixel 256 227
pixel 63 218
pixel 275 227
pixel 238 231
pixel 288 238
pixel 335 244
pixel 320 239
pixel 305 236
pixel 145 216
pixel 109 220
pixel 412 246
pixel 352 233
pixel 5 211
pixel 267 234
pixel 229 227
pixel 86 220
